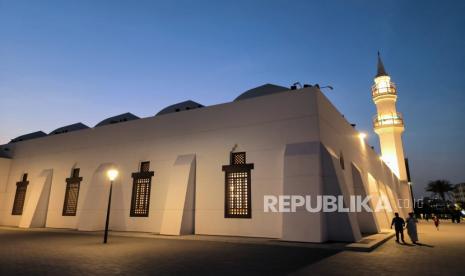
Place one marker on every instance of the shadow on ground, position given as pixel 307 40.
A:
pixel 30 253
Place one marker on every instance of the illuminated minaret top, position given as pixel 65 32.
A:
pixel 388 123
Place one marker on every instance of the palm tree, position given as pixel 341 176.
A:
pixel 440 187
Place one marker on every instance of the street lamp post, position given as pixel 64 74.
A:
pixel 112 174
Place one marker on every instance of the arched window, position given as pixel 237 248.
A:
pixel 72 193
pixel 238 200
pixel 140 200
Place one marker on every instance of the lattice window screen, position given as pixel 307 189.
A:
pixel 20 196
pixel 238 187
pixel 71 199
pixel 238 158
pixel 237 193
pixel 142 193
pixel 72 194
pixel 140 202
pixel 144 166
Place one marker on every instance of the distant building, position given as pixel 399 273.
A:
pixel 459 192
pixel 192 169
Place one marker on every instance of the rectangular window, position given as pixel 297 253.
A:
pixel 140 200
pixel 72 193
pixel 237 187
pixel 341 160
pixel 145 166
pixel 237 196
pixel 238 158
pixel 20 196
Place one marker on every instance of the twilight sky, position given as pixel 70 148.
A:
pixel 63 62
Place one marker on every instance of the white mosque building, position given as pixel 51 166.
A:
pixel 194 169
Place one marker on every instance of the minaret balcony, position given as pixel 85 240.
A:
pixel 389 120
pixel 383 89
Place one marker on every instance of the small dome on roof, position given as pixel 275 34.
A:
pixel 183 106
pixel 118 119
pixel 28 136
pixel 69 128
pixel 5 151
pixel 264 90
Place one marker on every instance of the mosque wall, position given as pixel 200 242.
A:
pixel 294 140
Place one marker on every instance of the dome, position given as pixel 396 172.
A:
pixel 183 106
pixel 264 90
pixel 5 151
pixel 69 128
pixel 118 119
pixel 28 136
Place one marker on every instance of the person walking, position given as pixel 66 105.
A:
pixel 399 224
pixel 412 228
pixel 436 221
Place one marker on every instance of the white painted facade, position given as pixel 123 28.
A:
pixel 389 123
pixel 294 139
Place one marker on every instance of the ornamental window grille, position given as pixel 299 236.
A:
pixel 20 196
pixel 237 200
pixel 72 193
pixel 140 200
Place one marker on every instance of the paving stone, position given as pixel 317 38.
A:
pixel 442 253
pixel 70 253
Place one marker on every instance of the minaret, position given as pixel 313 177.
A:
pixel 388 123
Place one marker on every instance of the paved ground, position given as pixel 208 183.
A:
pixel 442 253
pixel 52 253
pixel 61 253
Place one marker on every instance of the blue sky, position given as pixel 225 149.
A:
pixel 63 62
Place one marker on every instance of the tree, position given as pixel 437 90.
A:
pixel 440 187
